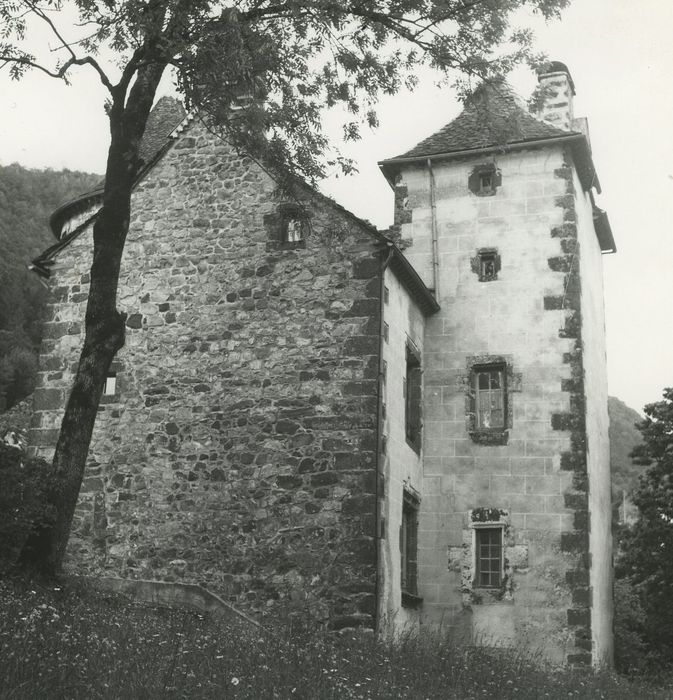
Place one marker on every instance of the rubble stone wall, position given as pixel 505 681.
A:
pixel 238 451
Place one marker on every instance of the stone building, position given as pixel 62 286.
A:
pixel 394 429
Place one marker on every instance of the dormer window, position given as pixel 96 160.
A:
pixel 484 180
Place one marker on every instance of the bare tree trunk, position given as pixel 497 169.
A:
pixel 45 547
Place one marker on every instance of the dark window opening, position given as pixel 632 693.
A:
pixel 484 180
pixel 488 543
pixel 412 399
pixel 487 269
pixel 486 264
pixel 409 547
pixel 490 393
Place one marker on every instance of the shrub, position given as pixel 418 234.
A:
pixel 24 484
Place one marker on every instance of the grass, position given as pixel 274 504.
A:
pixel 73 642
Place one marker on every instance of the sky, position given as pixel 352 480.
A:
pixel 621 59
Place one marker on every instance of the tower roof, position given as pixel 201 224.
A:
pixel 493 116
pixel 495 119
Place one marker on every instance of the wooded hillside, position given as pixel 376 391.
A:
pixel 624 436
pixel 27 198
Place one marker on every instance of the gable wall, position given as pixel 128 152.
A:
pixel 239 450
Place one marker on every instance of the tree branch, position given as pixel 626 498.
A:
pixel 43 16
pixel 61 72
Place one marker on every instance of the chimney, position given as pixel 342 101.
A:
pixel 558 90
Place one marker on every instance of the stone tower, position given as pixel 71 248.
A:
pixel 496 212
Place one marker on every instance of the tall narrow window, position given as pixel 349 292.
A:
pixel 412 395
pixel 490 394
pixel 488 543
pixel 409 547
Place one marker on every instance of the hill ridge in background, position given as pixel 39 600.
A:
pixel 27 198
pixel 624 436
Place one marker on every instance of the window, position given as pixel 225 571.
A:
pixel 490 396
pixel 409 548
pixel 488 549
pixel 490 382
pixel 484 180
pixel 110 387
pixel 294 230
pixel 486 264
pixel 412 399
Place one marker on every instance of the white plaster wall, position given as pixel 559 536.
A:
pixel 502 317
pixel 401 464
pixel 597 423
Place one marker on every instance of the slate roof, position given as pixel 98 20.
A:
pixel 493 116
pixel 495 119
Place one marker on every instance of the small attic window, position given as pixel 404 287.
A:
pixel 484 180
pixel 486 183
pixel 294 230
pixel 486 264
pixel 294 226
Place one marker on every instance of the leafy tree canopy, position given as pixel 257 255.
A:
pixel 647 547
pixel 279 63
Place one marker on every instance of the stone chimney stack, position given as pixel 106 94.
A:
pixel 558 90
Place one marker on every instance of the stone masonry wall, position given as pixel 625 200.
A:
pixel 517 480
pixel 239 448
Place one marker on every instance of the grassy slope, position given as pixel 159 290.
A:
pixel 72 642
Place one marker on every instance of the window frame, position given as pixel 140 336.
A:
pixel 510 382
pixel 409 549
pixel 480 422
pixel 413 399
pixel 480 531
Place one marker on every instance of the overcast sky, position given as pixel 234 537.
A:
pixel 621 58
